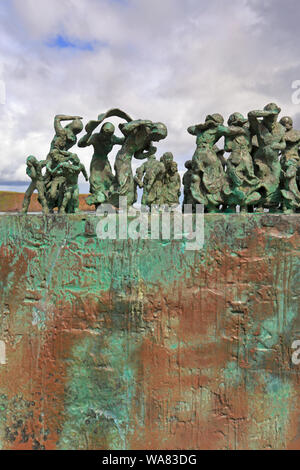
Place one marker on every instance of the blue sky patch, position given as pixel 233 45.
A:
pixel 62 42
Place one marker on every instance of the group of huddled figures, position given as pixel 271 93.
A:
pixel 58 185
pixel 261 170
pixel 56 178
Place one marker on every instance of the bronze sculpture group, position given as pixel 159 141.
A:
pixel 261 171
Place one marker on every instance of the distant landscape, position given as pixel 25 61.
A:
pixel 12 202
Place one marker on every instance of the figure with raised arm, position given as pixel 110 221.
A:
pixel 64 139
pixel 209 164
pixel 102 179
pixel 242 182
pixel 271 141
pixel 139 136
pixel 69 132
pixel 290 165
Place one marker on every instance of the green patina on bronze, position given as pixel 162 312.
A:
pixel 139 138
pixel 102 179
pixel 160 181
pixel 271 140
pixel 290 164
pixel 253 176
pixel 260 172
pixel 123 344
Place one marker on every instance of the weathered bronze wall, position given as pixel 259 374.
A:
pixel 144 345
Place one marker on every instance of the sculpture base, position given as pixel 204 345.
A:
pixel 122 344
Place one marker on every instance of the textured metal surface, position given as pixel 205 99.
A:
pixel 127 345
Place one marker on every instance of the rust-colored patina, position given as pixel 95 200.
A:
pixel 122 344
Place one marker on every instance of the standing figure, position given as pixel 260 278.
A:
pixel 149 176
pixel 34 171
pixel 290 164
pixel 209 164
pixel 70 170
pixel 198 190
pixel 242 181
pixel 270 137
pixel 102 179
pixel 172 186
pixel 139 136
pixel 187 183
pixel 167 159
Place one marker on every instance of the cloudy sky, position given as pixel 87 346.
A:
pixel 166 60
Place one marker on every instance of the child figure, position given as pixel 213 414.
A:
pixel 150 176
pixel 55 181
pixel 34 171
pixel 172 186
pixel 70 171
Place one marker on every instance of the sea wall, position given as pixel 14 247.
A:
pixel 123 344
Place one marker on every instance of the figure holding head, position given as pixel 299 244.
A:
pixel 242 182
pixel 69 132
pixel 34 171
pixel 209 162
pixel 290 165
pixel 271 140
pixel 64 139
pixel 139 136
pixel 102 179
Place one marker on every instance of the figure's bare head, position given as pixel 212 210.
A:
pixel 287 122
pixel 173 167
pixel 76 126
pixel 108 129
pixel 167 159
pixel 272 107
pixel 158 131
pixel 31 160
pixel 215 119
pixel 236 119
pixel 274 111
pixel 188 164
